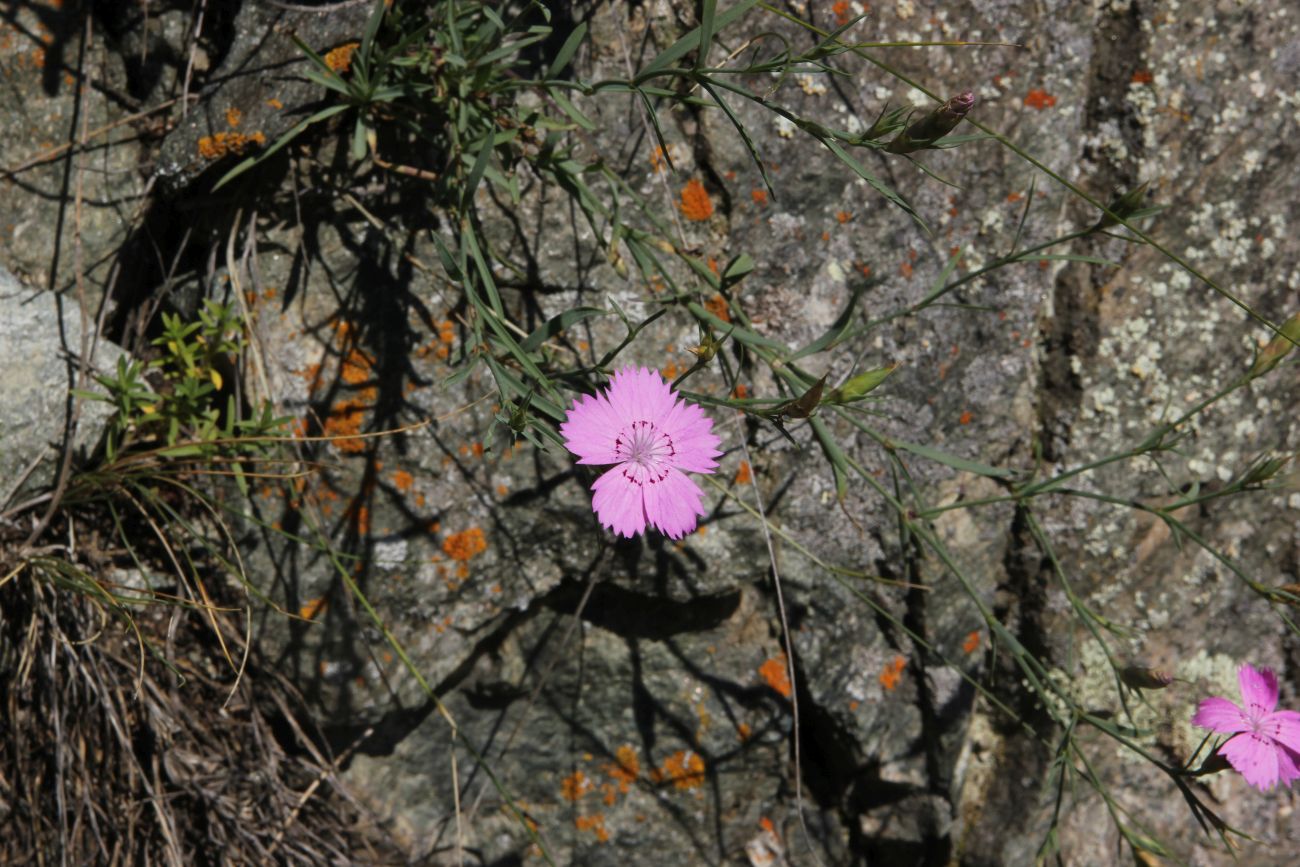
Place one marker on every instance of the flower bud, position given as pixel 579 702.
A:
pixel 861 385
pixel 708 347
pixel 1123 206
pixel 1277 349
pixel 934 126
pixel 1137 677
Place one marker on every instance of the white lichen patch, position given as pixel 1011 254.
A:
pixel 390 554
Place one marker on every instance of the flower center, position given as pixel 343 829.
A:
pixel 646 450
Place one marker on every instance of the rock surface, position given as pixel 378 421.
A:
pixel 40 348
pixel 631 696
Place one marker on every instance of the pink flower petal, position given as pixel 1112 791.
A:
pixel 639 393
pixel 672 504
pixel 1258 689
pixel 590 430
pixel 1256 758
pixel 618 502
pixel 692 433
pixel 1283 726
pixel 1221 715
pixel 1288 766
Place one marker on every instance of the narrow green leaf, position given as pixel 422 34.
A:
pixel 950 460
pixel 572 110
pixel 836 332
pixel 738 269
pixel 475 176
pixel 834 454
pixel 560 323
pixel 708 8
pixel 283 140
pixel 940 284
pixel 567 50
pixel 744 335
pixel 372 28
pixel 690 40
pixel 744 135
pixel 1065 257
pixel 876 184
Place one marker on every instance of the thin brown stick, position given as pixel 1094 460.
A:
pixel 54 153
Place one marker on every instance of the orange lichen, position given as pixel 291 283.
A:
pixel 842 11
pixel 477 449
pixel 275 103
pixel 684 769
pixel 502 490
pixel 774 674
pixel 574 786
pixel 339 59
pixel 966 417
pixel 595 823
pixel 670 371
pixel 403 480
pixel 355 368
pixel 696 204
pixel 218 145
pixel 893 672
pixel 972 642
pixel 743 474
pixel 625 768
pixel 233 117
pixel 1039 99
pixel 345 420
pixel 1142 76
pixel 759 197
pixel 740 392
pixel 843 217
pixel 313 608
pixel 905 269
pixel 659 158
pixel 743 731
pixel 464 545
pixel 717 305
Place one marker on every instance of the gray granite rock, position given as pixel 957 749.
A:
pixel 40 348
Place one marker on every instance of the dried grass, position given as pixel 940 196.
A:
pixel 105 761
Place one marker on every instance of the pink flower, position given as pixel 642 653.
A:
pixel 1265 746
pixel 651 436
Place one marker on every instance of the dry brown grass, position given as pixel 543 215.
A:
pixel 106 761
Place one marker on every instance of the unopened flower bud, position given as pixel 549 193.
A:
pixel 709 346
pixel 934 126
pixel 1123 206
pixel 1277 349
pixel 861 385
pixel 1137 677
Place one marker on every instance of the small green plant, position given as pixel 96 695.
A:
pixel 174 402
